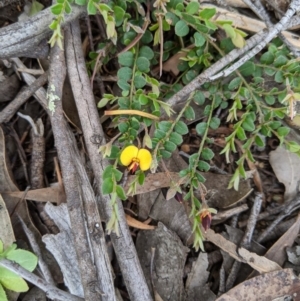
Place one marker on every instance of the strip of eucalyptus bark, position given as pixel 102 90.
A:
pixel 88 234
pixel 29 38
pixel 94 137
pixel 74 180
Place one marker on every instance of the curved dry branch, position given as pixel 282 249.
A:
pixel 29 38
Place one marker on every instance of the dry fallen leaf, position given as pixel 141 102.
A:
pixel 53 194
pixel 169 261
pixel 6 231
pixel 286 166
pixel 220 196
pixel 265 287
pixel 196 287
pixel 277 252
pixel 259 263
pixel 132 222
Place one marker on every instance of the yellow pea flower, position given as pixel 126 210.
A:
pixel 133 157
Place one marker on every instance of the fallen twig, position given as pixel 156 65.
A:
pixel 51 291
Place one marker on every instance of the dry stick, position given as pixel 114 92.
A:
pixel 8 112
pixel 246 241
pixel 261 12
pixel 265 214
pixel 222 280
pixel 94 136
pixel 293 8
pixel 38 152
pixel 23 38
pixel 38 252
pixel 87 231
pixel 292 206
pixel 51 291
pixel 294 22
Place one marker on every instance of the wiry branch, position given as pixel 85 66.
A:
pixel 271 35
pixel 51 291
pixel 257 7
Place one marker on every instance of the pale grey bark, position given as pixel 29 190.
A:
pixel 51 291
pixel 294 7
pixel 257 7
pixel 29 38
pixel 94 136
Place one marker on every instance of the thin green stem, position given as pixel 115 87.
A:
pixel 203 138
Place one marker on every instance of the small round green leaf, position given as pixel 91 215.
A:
pixel 139 81
pixel 270 99
pixel 165 154
pixel 203 166
pixel 164 125
pixel 189 113
pixel 143 99
pixel 181 128
pixel 201 128
pixel 103 102
pixel 199 98
pixel 119 15
pixel 175 138
pixel 107 186
pixel 214 123
pixel 247 69
pixel 24 258
pixel 199 39
pixel 279 77
pixel 91 8
pixel 248 124
pixel 259 141
pixel 123 85
pixel 126 59
pixel 143 64
pixel 124 73
pixel 200 178
pixel 234 84
pixel 207 154
pixel 181 28
pixel 80 2
pixel 141 178
pixel 68 7
pixel 241 133
pixel 192 8
pixel 293 146
pixel 121 193
pixel 283 131
pixel 146 52
pixel 118 174
pixel 280 61
pixel 12 281
pixel 159 134
pixel 207 13
pixel 267 58
pixel 56 9
pixel 170 146
pixel 107 171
